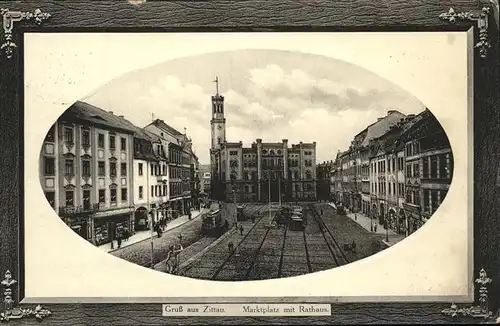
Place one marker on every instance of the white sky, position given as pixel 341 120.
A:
pixel 269 94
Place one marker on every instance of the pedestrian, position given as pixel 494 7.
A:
pixel 241 229
pixel 322 211
pixel 119 240
pixel 230 246
pixel 253 219
pixel 375 227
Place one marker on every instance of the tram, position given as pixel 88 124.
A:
pixel 240 215
pixel 296 223
pixel 214 223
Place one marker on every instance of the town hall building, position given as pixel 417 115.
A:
pixel 265 171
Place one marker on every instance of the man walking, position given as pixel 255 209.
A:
pixel 241 229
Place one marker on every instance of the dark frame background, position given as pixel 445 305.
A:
pixel 253 15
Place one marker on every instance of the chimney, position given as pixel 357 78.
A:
pixel 121 116
pixel 380 119
pixel 111 112
pixel 259 140
pixel 391 112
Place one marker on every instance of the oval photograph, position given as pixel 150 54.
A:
pixel 246 165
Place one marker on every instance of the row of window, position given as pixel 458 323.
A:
pixel 69 167
pixel 69 132
pixel 70 197
pixel 381 188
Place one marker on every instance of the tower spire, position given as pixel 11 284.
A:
pixel 216 81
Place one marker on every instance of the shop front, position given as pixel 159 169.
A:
pixel 392 219
pixel 80 225
pixel 413 214
pixel 110 224
pixel 141 219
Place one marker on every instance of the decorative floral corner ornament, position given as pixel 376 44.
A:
pixel 481 16
pixel 9 312
pixel 480 311
pixel 9 17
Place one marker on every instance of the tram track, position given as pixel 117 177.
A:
pixel 309 267
pixel 336 251
pixel 226 260
pixel 280 268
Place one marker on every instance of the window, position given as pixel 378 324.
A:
pixel 86 167
pixel 425 167
pixel 86 200
pixel 254 175
pixel 123 169
pixel 417 197
pixel 70 167
pixel 297 188
pixel 101 166
pixel 123 144
pixel 70 198
pixel 152 169
pixel 49 165
pixel 233 153
pixel 140 169
pixel 51 198
pixel 141 192
pixel 102 196
pixel 152 191
pixel 112 142
pixel 296 175
pixel 434 167
pixel 112 169
pixel 85 137
pixel 100 141
pixel 443 170
pixel 434 201
pixel 113 196
pixel 124 194
pixel 416 170
pixel 164 168
pixel 68 134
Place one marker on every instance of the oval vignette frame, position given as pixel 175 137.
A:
pixel 167 15
pixel 402 222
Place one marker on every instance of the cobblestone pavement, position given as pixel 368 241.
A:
pixel 140 252
pixel 265 252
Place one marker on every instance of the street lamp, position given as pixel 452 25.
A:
pixel 386 228
pixel 151 213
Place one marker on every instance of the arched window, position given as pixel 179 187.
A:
pixel 271 152
pixel 245 175
pixel 254 175
pixel 296 175
pixel 308 175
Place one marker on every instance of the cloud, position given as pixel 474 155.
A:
pixel 267 101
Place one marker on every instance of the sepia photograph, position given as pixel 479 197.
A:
pixel 246 165
pixel 215 162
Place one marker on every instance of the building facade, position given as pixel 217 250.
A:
pixel 87 169
pixel 261 172
pixel 405 165
pixel 179 171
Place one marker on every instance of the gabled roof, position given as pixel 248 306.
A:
pixel 165 127
pixel 382 126
pixel 409 125
pixel 92 114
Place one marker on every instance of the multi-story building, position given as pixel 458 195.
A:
pixel 179 170
pixel 429 168
pixel 205 179
pixel 354 166
pixel 149 168
pixel 264 171
pixel 323 187
pixel 87 162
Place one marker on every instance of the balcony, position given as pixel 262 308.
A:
pixel 162 178
pixel 67 211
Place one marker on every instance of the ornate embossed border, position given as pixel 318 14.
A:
pixel 254 15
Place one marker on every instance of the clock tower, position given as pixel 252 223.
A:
pixel 218 122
